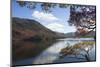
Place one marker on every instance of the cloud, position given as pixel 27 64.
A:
pixel 41 16
pixel 56 27
pixel 52 22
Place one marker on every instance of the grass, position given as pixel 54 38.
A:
pixel 87 43
pixel 87 36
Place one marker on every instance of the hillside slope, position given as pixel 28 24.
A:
pixel 29 38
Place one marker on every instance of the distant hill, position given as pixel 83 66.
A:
pixel 93 33
pixel 30 36
pixel 72 34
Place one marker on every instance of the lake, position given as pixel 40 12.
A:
pixel 52 53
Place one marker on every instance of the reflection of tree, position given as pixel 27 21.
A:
pixel 79 51
pixel 83 17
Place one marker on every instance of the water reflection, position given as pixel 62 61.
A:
pixel 52 53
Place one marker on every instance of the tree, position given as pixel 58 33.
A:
pixel 83 17
pixel 32 5
pixel 79 51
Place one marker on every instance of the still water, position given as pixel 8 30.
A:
pixel 52 53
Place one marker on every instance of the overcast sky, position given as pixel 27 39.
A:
pixel 55 20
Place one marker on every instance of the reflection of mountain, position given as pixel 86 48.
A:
pixel 27 36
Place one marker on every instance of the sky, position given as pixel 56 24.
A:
pixel 55 20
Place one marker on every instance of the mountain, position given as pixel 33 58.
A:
pixel 31 28
pixel 30 36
